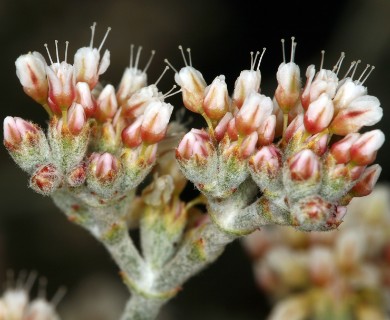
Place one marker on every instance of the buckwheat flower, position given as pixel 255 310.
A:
pixel 107 104
pixel 267 160
pixel 304 165
pixel 289 86
pixel 87 63
pixel 76 118
pixel 31 71
pixel 131 135
pixel 341 150
pixel 216 102
pixel 137 103
pixel 363 150
pixel 367 181
pixel 104 166
pixel 195 143
pixel 84 97
pixel 266 131
pixel 16 130
pixel 319 114
pixel 346 93
pixel 155 122
pixel 222 126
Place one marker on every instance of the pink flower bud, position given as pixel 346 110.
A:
pixel 363 151
pixel 289 86
pixel 248 145
pixel 325 82
pixel 247 82
pixel 346 93
pixel 137 103
pixel 195 143
pixel 88 66
pixel 294 127
pixel 367 181
pixel 84 97
pixel 222 126
pixel 155 123
pixel 216 102
pixel 232 129
pixel 268 159
pixel 362 111
pixel 61 84
pixel 318 143
pixel 131 135
pixel 193 86
pixel 31 71
pixel 104 166
pixel 16 130
pixel 133 79
pixel 319 114
pixel 304 165
pixel 341 149
pixel 46 179
pixel 254 111
pixel 76 177
pixel 107 104
pixel 305 97
pixel 76 118
pixel 266 131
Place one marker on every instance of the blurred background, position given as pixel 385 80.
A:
pixel 35 235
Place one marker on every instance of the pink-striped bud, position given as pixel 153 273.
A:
pixel 364 149
pixel 61 84
pixel 76 118
pixel 46 179
pixel 216 102
pixel 137 103
pixel 341 149
pixel 266 131
pixel 155 123
pixel 325 82
pixel 222 126
pixel 107 104
pixel 84 97
pixel 88 66
pixel 254 111
pixel 304 165
pixel 104 166
pixel 17 130
pixel 319 114
pixel 294 127
pixel 268 160
pixel 248 145
pixel 367 181
pixel 133 79
pixel 305 97
pixel 232 129
pixel 31 71
pixel 193 86
pixel 318 143
pixel 195 143
pixel 363 111
pixel 289 86
pixel 346 93
pixel 131 135
pixel 247 82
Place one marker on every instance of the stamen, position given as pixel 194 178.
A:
pixel 30 280
pixel 322 59
pixel 350 68
pixel 66 50
pixel 131 55
pixel 58 58
pixel 167 93
pixel 137 57
pixel 48 53
pixel 21 279
pixel 251 53
pixel 292 49
pixel 42 287
pixel 153 52
pixel 354 69
pixel 58 296
pixel 161 76
pixel 92 34
pixel 255 59
pixel 338 64
pixel 104 38
pixel 189 56
pixel 169 64
pixel 284 51
pixel 364 71
pixel 364 80
pixel 261 58
pixel 184 57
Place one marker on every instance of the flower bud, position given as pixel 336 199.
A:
pixel 16 130
pixel 195 143
pixel 46 179
pixel 294 127
pixel 341 149
pixel 216 101
pixel 305 97
pixel 325 82
pixel 133 79
pixel 346 93
pixel 232 129
pixel 31 71
pixel 76 118
pixel 247 83
pixel 266 131
pixel 364 149
pixel 104 166
pixel 137 103
pixel 131 135
pixel 267 160
pixel 107 104
pixel 304 165
pixel 76 177
pixel 367 181
pixel 155 122
pixel 84 97
pixel 248 145
pixel 319 114
pixel 362 111
pixel 318 143
pixel 254 111
pixel 222 126
pixel 289 86
pixel 193 86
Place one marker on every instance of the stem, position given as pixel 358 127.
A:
pixel 142 308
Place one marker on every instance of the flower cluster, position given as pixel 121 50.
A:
pixel 339 274
pixel 302 148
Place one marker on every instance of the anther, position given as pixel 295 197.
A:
pixel 104 38
pixel 30 280
pixel 131 55
pixel 254 60
pixel 169 64
pixel 93 27
pixel 337 66
pixel 153 52
pixel 48 53
pixel 261 58
pixel 364 80
pixel 322 59
pixel 251 53
pixel 137 57
pixel 66 50
pixel 292 49
pixel 364 71
pixel 284 51
pixel 161 76
pixel 189 56
pixel 350 68
pixel 184 57
pixel 354 69
pixel 58 296
pixel 58 58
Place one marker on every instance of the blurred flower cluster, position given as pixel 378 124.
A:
pixel 340 274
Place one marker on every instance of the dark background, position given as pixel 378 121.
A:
pixel 35 235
